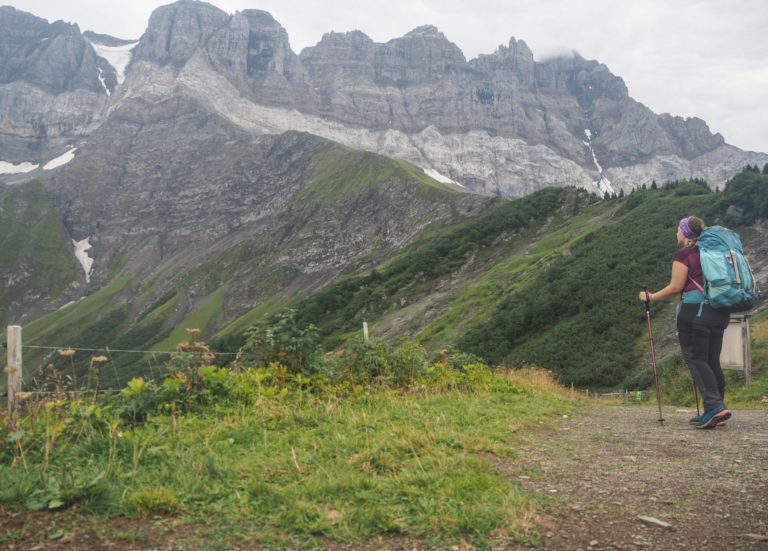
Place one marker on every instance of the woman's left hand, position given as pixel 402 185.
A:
pixel 645 297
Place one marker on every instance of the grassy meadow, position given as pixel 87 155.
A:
pixel 269 456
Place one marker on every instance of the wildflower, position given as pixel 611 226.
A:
pixel 99 359
pixel 66 352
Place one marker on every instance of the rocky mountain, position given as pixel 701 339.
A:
pixel 500 124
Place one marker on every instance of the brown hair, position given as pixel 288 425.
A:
pixel 696 225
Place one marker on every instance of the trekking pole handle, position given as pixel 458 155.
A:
pixel 647 297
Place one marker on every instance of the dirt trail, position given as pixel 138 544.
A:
pixel 613 464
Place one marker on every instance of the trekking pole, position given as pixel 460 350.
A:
pixel 653 351
pixel 696 397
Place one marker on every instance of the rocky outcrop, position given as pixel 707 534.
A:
pixel 253 51
pixel 177 30
pixel 52 85
pixel 54 58
pixel 500 124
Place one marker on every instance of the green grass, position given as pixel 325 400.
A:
pixel 201 318
pixel 35 250
pixel 58 328
pixel 343 172
pixel 513 269
pixel 424 464
pixel 252 317
pixel 65 326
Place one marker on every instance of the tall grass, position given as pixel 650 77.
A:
pixel 281 456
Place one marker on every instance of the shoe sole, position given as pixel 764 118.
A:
pixel 715 420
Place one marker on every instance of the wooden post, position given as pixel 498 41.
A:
pixel 745 342
pixel 365 331
pixel 14 369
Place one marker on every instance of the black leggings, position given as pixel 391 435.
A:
pixel 701 340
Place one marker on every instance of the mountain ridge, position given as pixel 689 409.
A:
pixel 482 122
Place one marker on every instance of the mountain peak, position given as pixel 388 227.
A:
pixel 176 30
pixel 426 30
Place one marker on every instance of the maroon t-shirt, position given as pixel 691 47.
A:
pixel 690 257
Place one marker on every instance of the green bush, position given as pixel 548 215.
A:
pixel 283 340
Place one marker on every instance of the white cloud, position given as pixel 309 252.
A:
pixel 703 58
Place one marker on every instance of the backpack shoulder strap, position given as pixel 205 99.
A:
pixel 697 285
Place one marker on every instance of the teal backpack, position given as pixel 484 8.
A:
pixel 728 280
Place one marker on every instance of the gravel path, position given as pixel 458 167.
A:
pixel 605 469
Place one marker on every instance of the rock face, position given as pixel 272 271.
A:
pixel 50 86
pixel 501 124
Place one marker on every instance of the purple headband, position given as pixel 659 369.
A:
pixel 685 228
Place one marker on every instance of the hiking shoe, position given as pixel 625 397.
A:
pixel 711 418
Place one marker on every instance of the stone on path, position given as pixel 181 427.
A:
pixel 655 522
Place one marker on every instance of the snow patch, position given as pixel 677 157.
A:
pixel 602 183
pixel 103 82
pixel 435 175
pixel 81 253
pixel 21 168
pixel 60 160
pixel 117 56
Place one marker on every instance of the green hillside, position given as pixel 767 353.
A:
pixel 549 280
pixel 152 312
pixel 35 250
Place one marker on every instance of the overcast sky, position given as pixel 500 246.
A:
pixel 693 58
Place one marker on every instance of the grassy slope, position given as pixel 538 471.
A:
pixel 581 317
pixel 516 267
pixel 208 312
pixel 418 271
pixel 558 299
pixel 293 469
pixel 33 241
pixel 343 172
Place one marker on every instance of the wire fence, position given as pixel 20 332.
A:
pixel 70 370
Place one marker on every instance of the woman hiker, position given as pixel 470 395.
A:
pixel 700 328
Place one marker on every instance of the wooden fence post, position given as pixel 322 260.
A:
pixel 14 369
pixel 365 331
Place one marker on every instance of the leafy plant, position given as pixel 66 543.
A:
pixel 283 340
